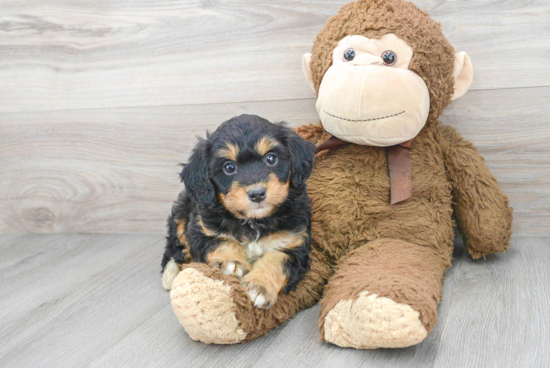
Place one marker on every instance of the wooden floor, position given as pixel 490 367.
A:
pixel 101 100
pixel 96 300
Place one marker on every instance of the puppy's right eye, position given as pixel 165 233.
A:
pixel 271 159
pixel 229 168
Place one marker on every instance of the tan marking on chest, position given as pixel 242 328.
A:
pixel 273 242
pixel 255 249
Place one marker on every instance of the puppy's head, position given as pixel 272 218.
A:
pixel 248 165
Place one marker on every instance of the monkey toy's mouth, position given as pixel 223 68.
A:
pixel 372 105
pixel 381 130
pixel 363 120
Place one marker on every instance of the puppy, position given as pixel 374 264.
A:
pixel 245 210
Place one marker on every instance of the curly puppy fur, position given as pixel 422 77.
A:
pixel 252 222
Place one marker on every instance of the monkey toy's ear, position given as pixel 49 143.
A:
pixel 302 161
pixel 196 179
pixel 306 67
pixel 463 73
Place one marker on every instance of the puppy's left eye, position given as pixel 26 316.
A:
pixel 229 168
pixel 271 159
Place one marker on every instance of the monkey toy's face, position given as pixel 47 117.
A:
pixel 369 96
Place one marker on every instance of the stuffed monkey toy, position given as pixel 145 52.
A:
pixel 386 183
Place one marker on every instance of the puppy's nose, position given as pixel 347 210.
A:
pixel 256 194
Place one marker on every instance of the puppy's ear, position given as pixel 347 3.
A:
pixel 302 160
pixel 196 178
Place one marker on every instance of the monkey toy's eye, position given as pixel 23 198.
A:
pixel 271 159
pixel 229 168
pixel 349 54
pixel 389 57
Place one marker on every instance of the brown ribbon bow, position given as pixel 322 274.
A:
pixel 399 165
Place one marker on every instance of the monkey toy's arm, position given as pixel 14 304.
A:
pixel 481 209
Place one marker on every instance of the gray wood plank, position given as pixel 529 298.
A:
pixel 34 268
pixel 106 171
pixel 112 312
pixel 116 53
pixel 115 170
pixel 498 310
pixel 92 291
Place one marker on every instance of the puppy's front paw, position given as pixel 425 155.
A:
pixel 261 293
pixel 171 270
pixel 235 267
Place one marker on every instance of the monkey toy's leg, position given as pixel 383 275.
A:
pixel 383 295
pixel 215 308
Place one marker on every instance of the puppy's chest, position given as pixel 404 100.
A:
pixel 256 249
pixel 256 244
pixel 269 243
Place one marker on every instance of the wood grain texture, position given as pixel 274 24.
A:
pixel 115 170
pixel 498 305
pixel 106 171
pixel 116 53
pixel 96 300
pixel 83 292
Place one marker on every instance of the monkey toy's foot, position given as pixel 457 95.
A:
pixel 371 322
pixel 383 295
pixel 205 306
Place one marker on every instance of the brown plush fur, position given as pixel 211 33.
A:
pixel 256 322
pixel 362 243
pixel 404 272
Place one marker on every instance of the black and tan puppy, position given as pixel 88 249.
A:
pixel 245 209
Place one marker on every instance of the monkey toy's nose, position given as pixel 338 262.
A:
pixel 256 194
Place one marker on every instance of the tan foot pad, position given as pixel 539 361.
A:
pixel 205 308
pixel 371 322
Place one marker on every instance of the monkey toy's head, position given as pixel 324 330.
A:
pixel 382 69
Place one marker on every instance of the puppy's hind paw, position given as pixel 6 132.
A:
pixel 170 272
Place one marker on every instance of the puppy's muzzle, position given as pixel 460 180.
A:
pixel 257 194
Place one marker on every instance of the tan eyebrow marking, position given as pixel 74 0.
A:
pixel 230 152
pixel 265 144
